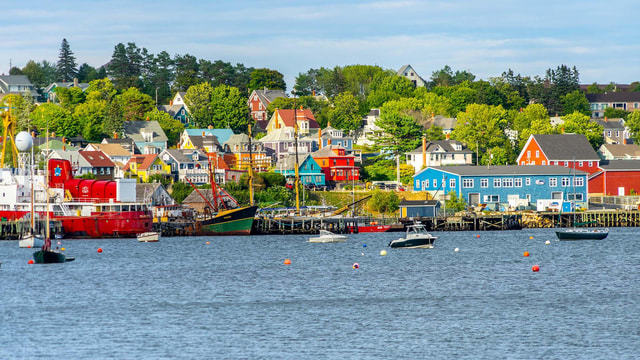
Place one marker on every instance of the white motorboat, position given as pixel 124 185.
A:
pixel 31 241
pixel 417 238
pixel 328 237
pixel 150 236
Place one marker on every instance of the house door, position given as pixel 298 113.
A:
pixel 474 199
pixel 621 191
pixel 556 195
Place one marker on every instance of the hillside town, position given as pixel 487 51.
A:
pixel 513 143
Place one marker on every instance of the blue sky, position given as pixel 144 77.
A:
pixel 483 37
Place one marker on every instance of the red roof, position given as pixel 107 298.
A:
pixel 144 161
pixel 97 158
pixel 287 116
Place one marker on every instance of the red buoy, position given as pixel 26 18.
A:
pixel 535 268
pixel 99 250
pixel 287 262
pixel 30 262
pixel 526 254
pixel 477 236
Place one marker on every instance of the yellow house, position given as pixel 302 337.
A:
pixel 145 165
pixel 282 118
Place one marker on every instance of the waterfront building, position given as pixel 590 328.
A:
pixel 568 150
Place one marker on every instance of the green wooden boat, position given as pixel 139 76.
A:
pixel 238 221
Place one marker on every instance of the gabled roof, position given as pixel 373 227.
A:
pixel 632 96
pixel 97 158
pixel 239 139
pixel 328 151
pixel 8 80
pixel 622 150
pixel 127 144
pixel 618 165
pixel 288 116
pixel 144 161
pixel 566 147
pixel 610 124
pixel 406 203
pixel 281 134
pixel 112 149
pixel 444 122
pixel 444 146
pixel 52 86
pixel 133 129
pixel 222 135
pixel 506 170
pixel 194 197
pixel 171 109
pixel 266 96
pixel 73 156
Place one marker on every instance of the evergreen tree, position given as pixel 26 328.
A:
pixel 67 68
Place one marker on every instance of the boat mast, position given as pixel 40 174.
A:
pixel 33 232
pixel 295 136
pixel 47 239
pixel 250 169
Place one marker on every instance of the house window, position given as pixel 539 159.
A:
pixel 565 181
pixel 425 184
pixel 527 181
pixel 101 171
pixel 553 182
pixel 578 181
pixel 528 153
pixel 609 133
pixel 580 163
pixel 590 163
pixel 497 183
pixel 635 105
pixel 484 183
pixel 108 171
pixel 452 183
pixel 575 196
pixel 334 162
pixel 544 162
pixel 517 182
pixel 491 198
pixel 508 182
pixel 467 183
pixel 537 153
pixel 566 164
pixel 435 183
pixel 617 133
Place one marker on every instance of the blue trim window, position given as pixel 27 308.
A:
pixel 467 183
pixel 579 181
pixel 452 183
pixel 507 182
pixel 517 182
pixel 565 182
pixel 497 183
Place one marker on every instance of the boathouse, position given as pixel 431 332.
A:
pixel 419 208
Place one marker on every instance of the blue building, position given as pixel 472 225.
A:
pixel 419 208
pixel 510 186
pixel 309 171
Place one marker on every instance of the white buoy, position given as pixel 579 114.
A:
pixel 362 254
pixel 456 249
pixel 383 252
pixel 547 242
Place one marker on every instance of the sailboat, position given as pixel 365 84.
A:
pixel 30 239
pixel 575 233
pixel 45 255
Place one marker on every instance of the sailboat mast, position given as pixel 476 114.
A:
pixel 250 169
pixel 295 136
pixel 47 240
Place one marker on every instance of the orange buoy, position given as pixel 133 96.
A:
pixel 477 236
pixel 535 268
pixel 287 262
pixel 99 250
pixel 28 246
pixel 526 254
pixel 207 243
pixel 30 262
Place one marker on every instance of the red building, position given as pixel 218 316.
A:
pixel 569 150
pixel 616 177
pixel 258 102
pixel 337 166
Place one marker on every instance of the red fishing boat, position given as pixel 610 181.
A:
pixel 86 208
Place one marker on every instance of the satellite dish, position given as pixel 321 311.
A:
pixel 24 141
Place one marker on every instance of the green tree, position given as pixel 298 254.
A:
pixel 442 77
pixel 114 119
pixel 594 89
pixel 400 132
pixel 384 201
pixel 344 113
pixel 267 78
pixel 171 127
pixel 482 126
pixel 576 101
pixel 331 81
pixel 180 190
pixel 35 74
pixel 101 89
pixel 67 68
pixel 15 71
pixel 135 104
pixel 613 113
pixel 186 72
pixel 229 109
pixel 119 69
pixel 91 116
pixel 57 119
pixel 534 119
pixel 388 86
pixel 69 97
pixel 579 124
pixel 633 123
pixel 87 73
pixel 198 100
pixel 455 203
pixel 564 80
pixel 306 83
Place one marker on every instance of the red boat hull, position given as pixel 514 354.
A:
pixel 373 228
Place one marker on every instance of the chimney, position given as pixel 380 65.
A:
pixel 115 135
pixel 319 139
pixel 448 136
pixel 424 151
pixel 313 93
pixel 329 142
pixel 64 148
pixel 624 141
pixel 171 103
pixel 75 82
pixel 433 116
pixel 605 119
pixel 210 127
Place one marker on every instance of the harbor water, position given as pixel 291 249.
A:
pixel 234 298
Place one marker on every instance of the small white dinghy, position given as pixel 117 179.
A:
pixel 328 237
pixel 29 240
pixel 151 236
